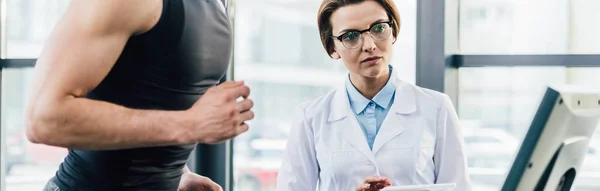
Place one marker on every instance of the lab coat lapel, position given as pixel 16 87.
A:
pixel 396 120
pixel 342 115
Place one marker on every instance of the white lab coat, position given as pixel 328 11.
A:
pixel 419 142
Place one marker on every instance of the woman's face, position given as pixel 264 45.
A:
pixel 370 57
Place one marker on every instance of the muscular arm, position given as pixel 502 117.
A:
pixel 80 52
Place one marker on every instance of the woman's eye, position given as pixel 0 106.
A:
pixel 351 36
pixel 379 28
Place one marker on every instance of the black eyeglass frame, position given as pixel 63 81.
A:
pixel 390 23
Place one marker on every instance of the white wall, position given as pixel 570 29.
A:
pixel 585 27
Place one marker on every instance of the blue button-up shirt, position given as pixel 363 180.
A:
pixel 371 113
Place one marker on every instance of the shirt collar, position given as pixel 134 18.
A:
pixel 382 98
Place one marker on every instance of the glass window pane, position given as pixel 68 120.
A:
pixel 496 106
pixel 279 54
pixel 29 165
pixel 28 24
pixel 529 27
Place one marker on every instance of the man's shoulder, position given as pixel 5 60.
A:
pixel 134 16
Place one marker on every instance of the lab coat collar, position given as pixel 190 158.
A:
pixel 382 98
pixel 404 101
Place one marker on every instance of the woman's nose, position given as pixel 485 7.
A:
pixel 368 43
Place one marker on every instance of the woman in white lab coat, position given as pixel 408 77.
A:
pixel 376 130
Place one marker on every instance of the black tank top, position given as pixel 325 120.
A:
pixel 166 68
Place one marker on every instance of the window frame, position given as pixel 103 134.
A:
pixel 437 64
pixel 454 60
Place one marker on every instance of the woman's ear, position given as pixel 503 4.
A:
pixel 335 55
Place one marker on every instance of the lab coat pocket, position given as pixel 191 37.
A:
pixel 426 151
pixel 425 156
pixel 351 166
pixel 397 163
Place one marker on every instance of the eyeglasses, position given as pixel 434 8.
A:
pixel 354 38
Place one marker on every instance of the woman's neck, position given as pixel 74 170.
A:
pixel 369 87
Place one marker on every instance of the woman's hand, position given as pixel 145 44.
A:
pixel 374 183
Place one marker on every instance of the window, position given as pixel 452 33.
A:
pixel 549 42
pixel 27 166
pixel 497 105
pixel 28 24
pixel 278 52
pixel 529 27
